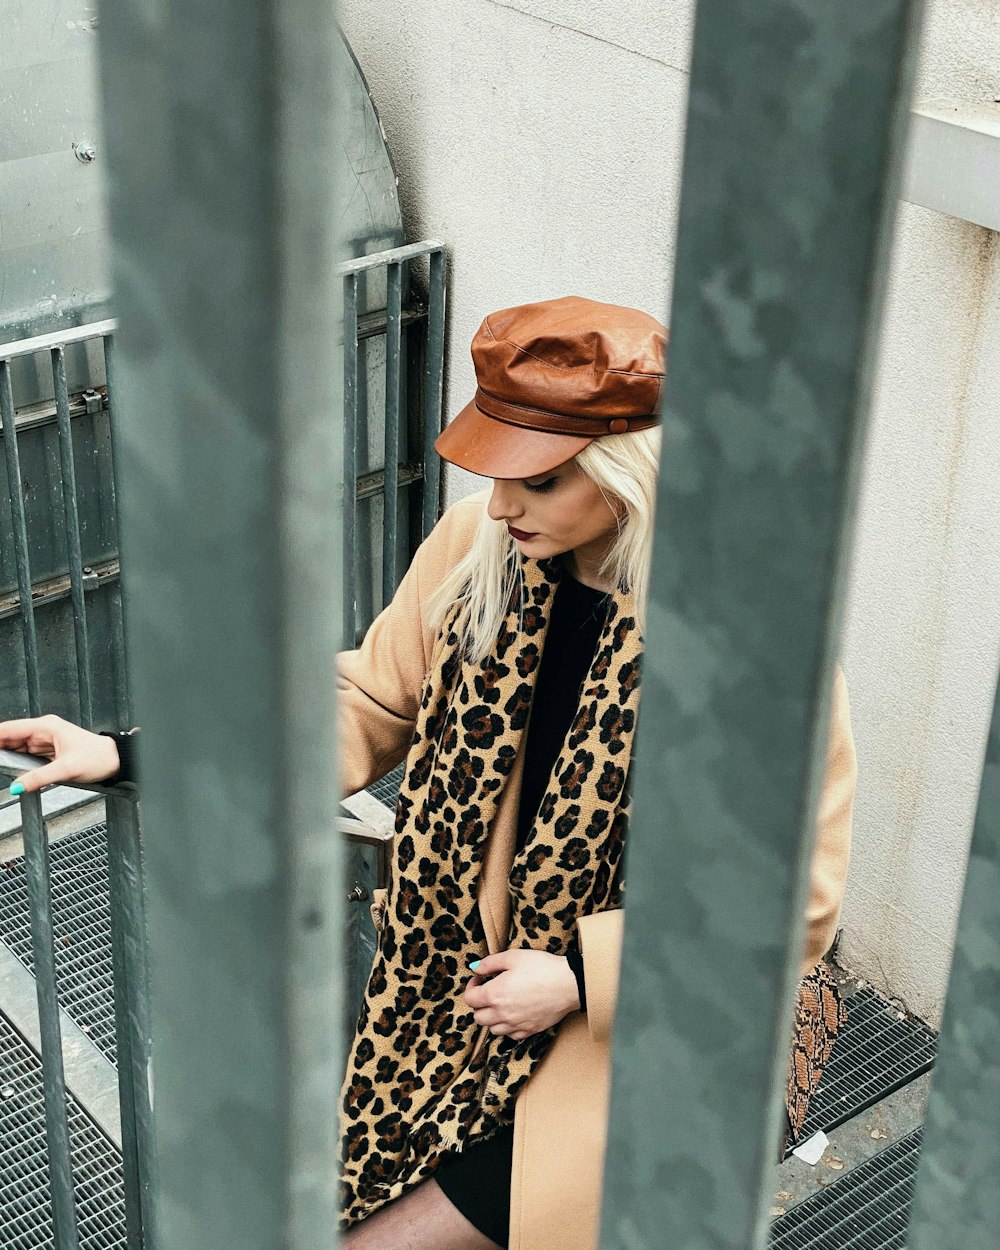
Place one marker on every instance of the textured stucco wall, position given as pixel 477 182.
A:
pixel 543 142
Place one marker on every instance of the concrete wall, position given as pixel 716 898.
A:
pixel 543 142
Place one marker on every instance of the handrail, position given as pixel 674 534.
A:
pixel 14 763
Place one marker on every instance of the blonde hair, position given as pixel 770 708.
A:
pixel 624 468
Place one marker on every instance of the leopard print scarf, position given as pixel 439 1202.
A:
pixel 422 1077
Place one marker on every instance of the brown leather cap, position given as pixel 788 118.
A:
pixel 553 376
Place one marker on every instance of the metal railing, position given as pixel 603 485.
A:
pixel 795 113
pixel 412 362
pixel 80 580
pixel 133 1034
pixel 356 329
pixel 413 333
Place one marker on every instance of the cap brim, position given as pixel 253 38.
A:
pixel 492 448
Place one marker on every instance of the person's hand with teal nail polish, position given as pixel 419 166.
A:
pixel 76 754
pixel 519 992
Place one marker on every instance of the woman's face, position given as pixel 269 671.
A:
pixel 555 512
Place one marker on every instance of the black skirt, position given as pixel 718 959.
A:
pixel 477 1182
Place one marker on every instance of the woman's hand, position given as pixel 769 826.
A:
pixel 76 754
pixel 532 991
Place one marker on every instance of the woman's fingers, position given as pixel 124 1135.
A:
pixel 48 775
pixel 76 753
pixel 33 736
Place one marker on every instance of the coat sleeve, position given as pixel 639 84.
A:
pixel 379 685
pixel 601 933
pixel 834 817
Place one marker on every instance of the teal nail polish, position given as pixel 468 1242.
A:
pixel 16 788
pixel 475 964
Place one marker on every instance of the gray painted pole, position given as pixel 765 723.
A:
pixel 956 1202
pixel 796 116
pixel 221 129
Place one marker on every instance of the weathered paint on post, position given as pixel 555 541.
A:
pixel 795 120
pixel 20 532
pixel 350 456
pixel 123 691
pixel 393 379
pixel 133 1026
pixel 956 1202
pixel 434 375
pixel 74 555
pixel 222 133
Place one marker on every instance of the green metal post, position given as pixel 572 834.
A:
pixel 796 115
pixel 956 1203
pixel 222 130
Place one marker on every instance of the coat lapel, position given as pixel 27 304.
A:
pixel 493 895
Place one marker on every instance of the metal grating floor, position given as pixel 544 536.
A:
pixel 386 789
pixel 876 1054
pixel 868 1209
pixel 25 1221
pixel 80 913
pixel 81 920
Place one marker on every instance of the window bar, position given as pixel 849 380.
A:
pixel 434 365
pixel 956 1199
pixel 123 699
pixel 390 496
pixel 36 866
pixel 20 530
pixel 74 552
pixel 350 457
pixel 129 955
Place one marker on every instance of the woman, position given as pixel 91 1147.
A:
pixel 506 673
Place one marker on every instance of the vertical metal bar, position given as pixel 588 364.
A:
pixel 230 302
pixel 123 697
pixel 786 209
pixel 433 390
pixel 36 869
pixel 393 358
pixel 956 1201
pixel 20 528
pixel 350 459
pixel 73 551
pixel 129 956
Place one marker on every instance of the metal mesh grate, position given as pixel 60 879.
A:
pixel 868 1209
pixel 25 1218
pixel 81 920
pixel 386 789
pixel 876 1054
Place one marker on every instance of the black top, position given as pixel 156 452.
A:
pixel 577 617
pixel 128 769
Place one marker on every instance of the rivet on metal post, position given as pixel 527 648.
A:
pixel 92 399
pixel 85 151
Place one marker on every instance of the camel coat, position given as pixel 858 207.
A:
pixel 560 1121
